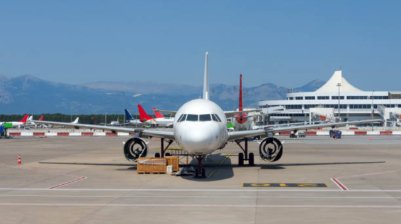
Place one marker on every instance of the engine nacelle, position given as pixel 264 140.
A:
pixel 270 149
pixel 135 148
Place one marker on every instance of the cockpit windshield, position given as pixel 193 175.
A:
pixel 199 117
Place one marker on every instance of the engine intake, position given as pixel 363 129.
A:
pixel 135 148
pixel 270 149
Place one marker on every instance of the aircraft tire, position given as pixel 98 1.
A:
pixel 251 159
pixel 240 159
pixel 157 155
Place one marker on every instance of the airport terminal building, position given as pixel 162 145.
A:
pixel 337 98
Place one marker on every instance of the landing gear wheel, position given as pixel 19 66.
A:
pixel 251 159
pixel 240 159
pixel 157 155
pixel 168 154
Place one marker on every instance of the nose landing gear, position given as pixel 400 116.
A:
pixel 200 171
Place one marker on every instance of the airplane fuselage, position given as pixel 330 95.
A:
pixel 200 127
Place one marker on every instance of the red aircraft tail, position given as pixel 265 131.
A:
pixel 240 117
pixel 143 116
pixel 25 118
pixel 157 113
pixel 41 118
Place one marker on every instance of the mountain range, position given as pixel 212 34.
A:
pixel 29 94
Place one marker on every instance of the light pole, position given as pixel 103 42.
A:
pixel 338 113
pixel 373 109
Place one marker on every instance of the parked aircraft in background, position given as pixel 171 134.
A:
pixel 31 123
pixel 200 129
pixel 160 121
pixel 130 120
pixel 18 124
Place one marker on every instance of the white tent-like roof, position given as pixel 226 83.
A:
pixel 332 84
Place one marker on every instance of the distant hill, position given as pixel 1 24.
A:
pixel 29 94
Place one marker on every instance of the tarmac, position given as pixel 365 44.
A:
pixel 356 179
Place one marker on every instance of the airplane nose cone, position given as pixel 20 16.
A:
pixel 199 141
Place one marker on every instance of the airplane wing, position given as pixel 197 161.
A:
pixel 263 132
pixel 165 133
pixel 227 113
pixel 233 113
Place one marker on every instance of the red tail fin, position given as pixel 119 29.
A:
pixel 157 113
pixel 25 118
pixel 41 118
pixel 240 94
pixel 143 116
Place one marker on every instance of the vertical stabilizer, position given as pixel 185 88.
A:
pixel 157 113
pixel 143 116
pixel 205 80
pixel 240 108
pixel 25 118
pixel 128 116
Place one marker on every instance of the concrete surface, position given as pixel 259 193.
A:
pixel 88 180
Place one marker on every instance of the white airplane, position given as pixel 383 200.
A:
pixel 200 129
pixel 159 120
pixel 17 124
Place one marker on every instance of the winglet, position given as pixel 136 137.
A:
pixel 75 121
pixel 205 80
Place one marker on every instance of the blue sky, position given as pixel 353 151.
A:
pixel 285 42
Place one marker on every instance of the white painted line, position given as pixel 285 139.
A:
pixel 339 184
pixel 69 182
pixel 195 196
pixel 198 205
pixel 194 190
pixel 369 174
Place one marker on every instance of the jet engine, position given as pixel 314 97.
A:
pixel 135 148
pixel 270 149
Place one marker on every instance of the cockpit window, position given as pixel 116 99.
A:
pixel 216 117
pixel 182 118
pixel 204 117
pixel 192 117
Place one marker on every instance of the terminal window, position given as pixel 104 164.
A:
pixel 323 97
pixel 309 97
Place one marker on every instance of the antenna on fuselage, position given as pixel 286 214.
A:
pixel 205 80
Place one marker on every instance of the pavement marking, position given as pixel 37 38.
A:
pixel 340 185
pixel 197 196
pixel 284 185
pixel 369 174
pixel 196 190
pixel 69 182
pixel 198 205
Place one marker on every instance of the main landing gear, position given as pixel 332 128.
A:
pixel 163 149
pixel 245 156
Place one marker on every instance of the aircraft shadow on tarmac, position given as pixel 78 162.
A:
pixel 218 167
